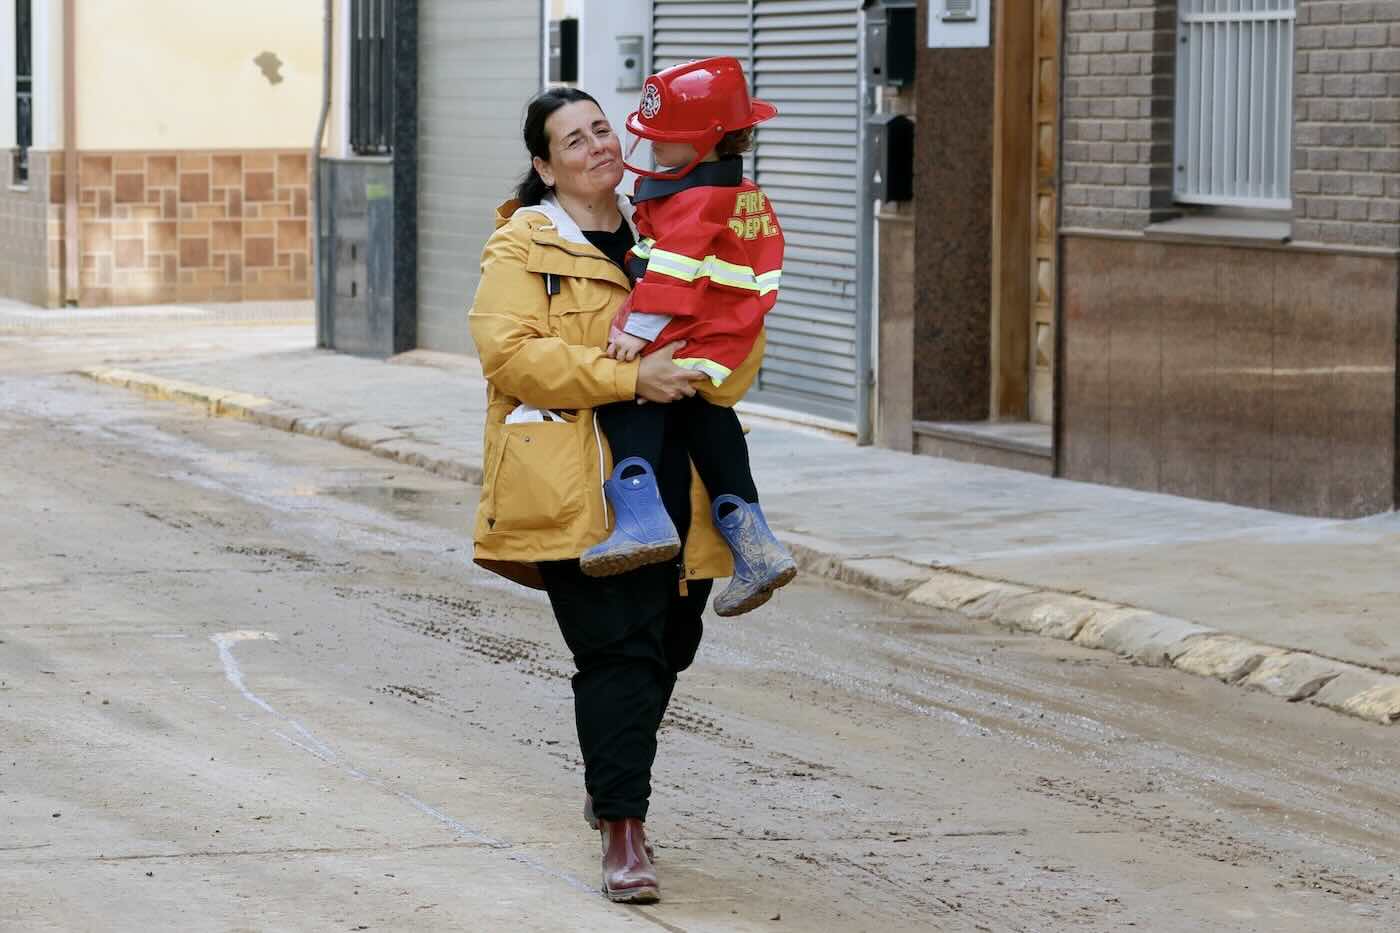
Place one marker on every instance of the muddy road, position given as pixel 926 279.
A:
pixel 251 681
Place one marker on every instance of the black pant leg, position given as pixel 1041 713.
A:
pixel 634 430
pixel 684 629
pixel 715 440
pixel 673 475
pixel 616 628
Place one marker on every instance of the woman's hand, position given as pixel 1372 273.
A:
pixel 660 380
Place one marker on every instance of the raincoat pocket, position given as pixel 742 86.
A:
pixel 535 474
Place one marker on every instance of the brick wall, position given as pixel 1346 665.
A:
pixel 1346 179
pixel 1118 103
pixel 1119 115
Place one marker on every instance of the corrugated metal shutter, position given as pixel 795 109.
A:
pixel 479 64
pixel 806 61
pixel 802 55
pixel 684 30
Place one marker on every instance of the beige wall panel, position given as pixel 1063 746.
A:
pixel 185 74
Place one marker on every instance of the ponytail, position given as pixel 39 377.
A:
pixel 532 189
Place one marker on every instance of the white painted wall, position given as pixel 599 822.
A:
pixel 600 23
pixel 48 74
pixel 7 83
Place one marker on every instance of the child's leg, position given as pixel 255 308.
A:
pixel 717 447
pixel 634 430
pixel 721 457
pixel 641 531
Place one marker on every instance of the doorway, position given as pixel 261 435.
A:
pixel 1024 206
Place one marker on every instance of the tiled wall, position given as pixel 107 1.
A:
pixel 194 226
pixel 30 246
pixel 1262 377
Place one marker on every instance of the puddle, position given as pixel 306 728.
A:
pixel 392 494
pixel 448 507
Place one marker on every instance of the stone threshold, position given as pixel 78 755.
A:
pixel 1015 445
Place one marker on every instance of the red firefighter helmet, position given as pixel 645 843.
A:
pixel 695 103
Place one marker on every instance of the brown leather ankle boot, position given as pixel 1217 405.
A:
pixel 628 875
pixel 592 821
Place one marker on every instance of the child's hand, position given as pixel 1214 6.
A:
pixel 624 347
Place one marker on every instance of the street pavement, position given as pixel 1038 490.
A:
pixel 250 681
pixel 1303 608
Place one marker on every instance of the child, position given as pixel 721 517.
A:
pixel 705 271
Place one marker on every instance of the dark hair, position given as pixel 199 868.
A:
pixel 735 144
pixel 532 188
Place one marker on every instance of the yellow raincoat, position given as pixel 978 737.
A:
pixel 542 493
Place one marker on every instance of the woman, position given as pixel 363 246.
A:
pixel 551 283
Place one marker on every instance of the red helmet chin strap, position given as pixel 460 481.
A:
pixel 666 176
pixel 702 149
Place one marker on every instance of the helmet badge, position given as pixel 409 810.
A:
pixel 651 101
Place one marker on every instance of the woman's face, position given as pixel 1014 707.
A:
pixel 585 155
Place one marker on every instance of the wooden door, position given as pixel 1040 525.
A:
pixel 1045 120
pixel 1024 210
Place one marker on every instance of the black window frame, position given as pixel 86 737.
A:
pixel 372 58
pixel 24 91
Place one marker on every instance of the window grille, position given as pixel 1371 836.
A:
pixel 24 92
pixel 371 76
pixel 1234 102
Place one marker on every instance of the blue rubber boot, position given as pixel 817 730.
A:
pixel 643 533
pixel 761 563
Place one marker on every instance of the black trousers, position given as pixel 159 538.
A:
pixel 630 636
pixel 709 433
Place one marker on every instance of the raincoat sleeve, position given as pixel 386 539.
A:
pixel 520 356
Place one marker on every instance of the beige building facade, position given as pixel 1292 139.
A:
pixel 190 129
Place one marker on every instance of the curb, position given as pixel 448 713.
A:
pixel 1138 635
pixel 377 439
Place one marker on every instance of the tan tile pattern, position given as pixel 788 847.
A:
pixel 194 226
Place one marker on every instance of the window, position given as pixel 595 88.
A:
pixel 372 76
pixel 1234 103
pixel 24 93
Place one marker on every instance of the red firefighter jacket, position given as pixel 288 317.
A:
pixel 706 267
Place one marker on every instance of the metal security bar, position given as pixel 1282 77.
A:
pixel 371 76
pixel 1234 102
pixel 24 92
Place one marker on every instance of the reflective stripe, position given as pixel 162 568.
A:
pixel 712 267
pixel 717 372
pixel 642 249
pixel 768 282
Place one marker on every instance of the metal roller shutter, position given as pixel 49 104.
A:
pixel 684 30
pixel 806 61
pixel 474 81
pixel 803 55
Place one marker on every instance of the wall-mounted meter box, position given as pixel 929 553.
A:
pixel 890 42
pixel 959 24
pixel 631 62
pixel 890 137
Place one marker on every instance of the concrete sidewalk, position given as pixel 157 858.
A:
pixel 1306 609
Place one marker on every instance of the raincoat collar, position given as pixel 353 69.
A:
pixel 566 226
pixel 726 173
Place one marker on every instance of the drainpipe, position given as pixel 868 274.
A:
pixel 323 321
pixel 71 282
